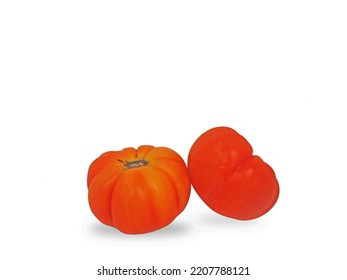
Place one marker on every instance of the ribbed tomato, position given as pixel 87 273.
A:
pixel 138 190
pixel 229 178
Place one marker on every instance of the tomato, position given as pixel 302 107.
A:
pixel 229 178
pixel 138 190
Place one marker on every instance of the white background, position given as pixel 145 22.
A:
pixel 78 78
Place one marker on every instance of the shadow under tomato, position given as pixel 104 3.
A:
pixel 216 221
pixel 176 228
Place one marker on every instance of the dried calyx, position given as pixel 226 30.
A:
pixel 135 164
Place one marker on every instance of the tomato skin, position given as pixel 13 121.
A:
pixel 138 191
pixel 229 178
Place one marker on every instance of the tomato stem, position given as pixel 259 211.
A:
pixel 135 164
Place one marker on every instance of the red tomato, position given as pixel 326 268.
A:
pixel 228 178
pixel 138 191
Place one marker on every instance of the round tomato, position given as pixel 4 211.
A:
pixel 138 191
pixel 228 178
